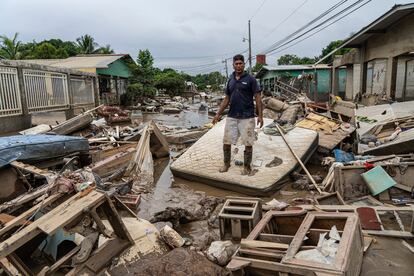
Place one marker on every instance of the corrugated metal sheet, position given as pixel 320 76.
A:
pixel 379 25
pixel 87 61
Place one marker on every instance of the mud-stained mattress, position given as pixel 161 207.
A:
pixel 201 162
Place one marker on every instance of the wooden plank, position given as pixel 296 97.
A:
pixel 261 253
pixel 20 265
pixel 275 266
pixel 262 244
pixel 23 216
pixel 74 124
pixel 103 256
pixel 275 238
pixel 68 211
pixel 390 233
pixel 8 267
pixel 60 262
pixel 235 264
pixel 112 163
pixel 115 220
pixel 351 208
pixel 32 169
pixel 20 200
pixel 50 222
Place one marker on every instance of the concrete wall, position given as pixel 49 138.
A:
pixel 396 41
pixel 349 86
pixel 12 124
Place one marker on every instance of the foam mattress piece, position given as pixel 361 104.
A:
pixel 201 162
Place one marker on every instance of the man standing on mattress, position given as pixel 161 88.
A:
pixel 241 89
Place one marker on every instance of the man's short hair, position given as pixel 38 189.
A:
pixel 238 57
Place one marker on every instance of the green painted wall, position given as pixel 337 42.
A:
pixel 117 68
pixel 342 80
pixel 324 81
pixel 323 78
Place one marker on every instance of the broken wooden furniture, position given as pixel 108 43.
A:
pixel 81 210
pixel 349 183
pixel 271 247
pixel 330 199
pixel 239 216
pixel 331 131
pixel 348 258
pixel 397 222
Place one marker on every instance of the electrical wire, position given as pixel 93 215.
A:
pixel 283 21
pixel 323 28
pixel 317 26
pixel 258 9
pixel 304 27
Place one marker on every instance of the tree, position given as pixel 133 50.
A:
pixel 332 46
pixel 86 45
pixel 10 47
pixel 144 69
pixel 290 59
pixel 106 49
pixel 257 67
pixel 46 50
pixel 171 81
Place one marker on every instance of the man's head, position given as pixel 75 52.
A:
pixel 238 63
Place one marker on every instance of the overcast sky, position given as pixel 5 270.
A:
pixel 212 29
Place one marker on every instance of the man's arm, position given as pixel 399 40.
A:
pixel 223 106
pixel 258 99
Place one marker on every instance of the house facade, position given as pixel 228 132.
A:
pixel 381 63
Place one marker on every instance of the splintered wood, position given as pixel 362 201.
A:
pixel 64 215
pixel 271 247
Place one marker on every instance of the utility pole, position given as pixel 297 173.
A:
pixel 225 66
pixel 250 50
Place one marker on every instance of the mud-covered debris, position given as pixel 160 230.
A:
pixel 220 252
pixel 194 207
pixel 180 261
pixel 171 237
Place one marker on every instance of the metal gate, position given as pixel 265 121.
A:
pixel 10 102
pixel 45 90
pixel 82 91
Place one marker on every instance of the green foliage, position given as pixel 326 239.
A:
pixel 171 81
pixel 86 45
pixel 332 46
pixel 106 50
pixel 46 50
pixel 214 79
pixel 289 59
pixel 10 47
pixel 256 68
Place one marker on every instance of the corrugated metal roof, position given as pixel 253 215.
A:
pixel 379 25
pixel 290 67
pixel 296 67
pixel 81 61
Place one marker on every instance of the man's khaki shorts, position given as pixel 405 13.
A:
pixel 239 128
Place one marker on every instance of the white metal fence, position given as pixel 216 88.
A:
pixel 82 91
pixel 45 90
pixel 10 102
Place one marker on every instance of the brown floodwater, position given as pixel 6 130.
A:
pixel 164 181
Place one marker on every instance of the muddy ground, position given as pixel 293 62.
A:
pixel 176 201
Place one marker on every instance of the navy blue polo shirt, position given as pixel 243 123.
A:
pixel 241 93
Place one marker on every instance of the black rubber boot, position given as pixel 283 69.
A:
pixel 248 156
pixel 227 158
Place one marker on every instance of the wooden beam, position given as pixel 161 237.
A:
pixel 23 216
pixel 262 244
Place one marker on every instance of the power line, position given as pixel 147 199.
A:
pixel 283 21
pixel 329 10
pixel 258 9
pixel 321 24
